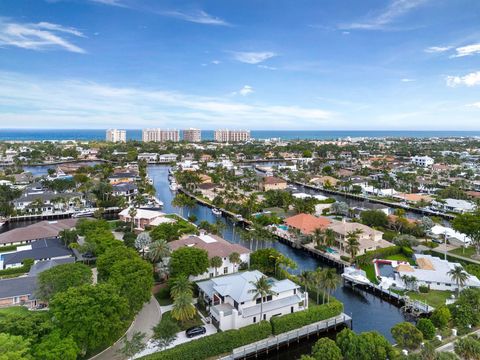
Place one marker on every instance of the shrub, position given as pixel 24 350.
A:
pixel 216 344
pixel 427 328
pixel 408 252
pixel 369 256
pixel 423 289
pixel 26 265
pixel 345 258
pixel 312 314
pixel 8 248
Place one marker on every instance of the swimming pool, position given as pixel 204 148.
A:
pixel 331 251
pixel 283 227
pixel 386 270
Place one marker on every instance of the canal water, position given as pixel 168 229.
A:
pixel 368 312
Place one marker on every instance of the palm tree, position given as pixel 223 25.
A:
pixel 318 236
pixel 460 277
pixel 352 242
pixel 183 308
pixel 132 212
pixel 216 262
pixel 181 286
pixel 329 237
pixel 306 279
pixel 317 278
pixel 330 281
pixel 235 259
pixel 261 289
pixel 157 251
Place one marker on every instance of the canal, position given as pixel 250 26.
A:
pixel 368 312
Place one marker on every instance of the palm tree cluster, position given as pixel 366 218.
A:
pixel 322 280
pixel 261 289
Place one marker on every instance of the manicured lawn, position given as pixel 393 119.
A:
pixel 433 298
pixel 465 252
pixel 14 310
pixel 370 270
pixel 196 321
pixel 401 257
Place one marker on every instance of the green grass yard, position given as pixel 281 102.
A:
pixel 14 310
pixel 401 257
pixel 465 252
pixel 196 321
pixel 370 270
pixel 433 298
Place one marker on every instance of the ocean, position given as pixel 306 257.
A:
pixel 136 134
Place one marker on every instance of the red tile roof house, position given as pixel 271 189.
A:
pixel 215 246
pixel 307 223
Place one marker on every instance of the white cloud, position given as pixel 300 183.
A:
pixel 253 57
pixel 216 62
pixel 88 104
pixel 199 17
pixel 471 79
pixel 467 50
pixel 110 2
pixel 475 105
pixel 261 66
pixel 391 13
pixel 40 36
pixel 406 80
pixel 437 49
pixel 246 90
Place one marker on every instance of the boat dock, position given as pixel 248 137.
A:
pixel 407 305
pixel 275 343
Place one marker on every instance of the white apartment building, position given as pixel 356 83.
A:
pixel 422 161
pixel 150 158
pixel 115 135
pixel 159 135
pixel 231 302
pixel 225 135
pixel 167 158
pixel 192 135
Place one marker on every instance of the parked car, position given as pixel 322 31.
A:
pixel 195 331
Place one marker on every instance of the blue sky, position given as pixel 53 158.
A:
pixel 257 64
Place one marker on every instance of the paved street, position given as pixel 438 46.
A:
pixel 449 346
pixel 145 320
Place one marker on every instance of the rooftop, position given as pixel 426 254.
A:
pixel 307 223
pixel 40 230
pixel 213 244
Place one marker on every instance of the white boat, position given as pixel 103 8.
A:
pixel 83 213
pixel 216 212
pixel 355 275
pixel 238 217
pixel 173 186
pixel 2 222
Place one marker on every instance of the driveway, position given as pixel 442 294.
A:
pixel 449 347
pixel 181 338
pixel 145 320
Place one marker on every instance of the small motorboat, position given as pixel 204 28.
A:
pixel 216 212
pixel 173 186
pixel 83 213
pixel 355 275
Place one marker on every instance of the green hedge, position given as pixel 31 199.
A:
pixel 299 319
pixel 8 248
pixel 378 254
pixel 216 344
pixel 27 264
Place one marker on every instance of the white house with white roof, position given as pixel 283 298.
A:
pixel 433 272
pixel 422 161
pixel 231 303
pixel 455 205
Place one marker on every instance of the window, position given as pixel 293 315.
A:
pixel 269 298
pixel 225 270
pixel 254 319
pixel 294 291
pixel 264 316
pixel 258 300
pixel 211 275
pixel 291 309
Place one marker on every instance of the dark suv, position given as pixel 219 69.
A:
pixel 195 331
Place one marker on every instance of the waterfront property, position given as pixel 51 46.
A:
pixel 307 224
pixel 215 247
pixel 127 190
pixel 232 305
pixel 143 218
pixel 273 183
pixel 433 273
pixel 368 238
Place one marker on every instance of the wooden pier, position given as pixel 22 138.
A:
pixel 276 342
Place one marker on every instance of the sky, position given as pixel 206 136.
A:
pixel 250 64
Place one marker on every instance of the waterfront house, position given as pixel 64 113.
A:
pixel 144 218
pixel 127 190
pixel 454 205
pixel 36 199
pixel 123 177
pixel 273 183
pixel 150 158
pixel 167 158
pixel 214 246
pixel 307 223
pixel 231 303
pixel 325 181
pixel 433 272
pixel 368 238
